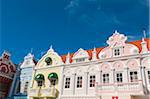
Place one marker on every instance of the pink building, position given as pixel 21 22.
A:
pixel 120 70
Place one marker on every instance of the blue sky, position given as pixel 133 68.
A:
pixel 67 24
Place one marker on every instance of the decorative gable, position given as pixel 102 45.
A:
pixel 117 47
pixel 28 61
pixel 51 58
pixel 7 68
pixel 80 55
pixel 117 40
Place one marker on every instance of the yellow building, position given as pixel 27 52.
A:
pixel 46 78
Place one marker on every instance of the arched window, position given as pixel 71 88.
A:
pixel 40 79
pixel 53 77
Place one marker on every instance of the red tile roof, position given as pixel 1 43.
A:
pixel 136 43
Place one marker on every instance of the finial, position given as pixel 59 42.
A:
pixel 51 49
pixel 68 58
pixel 144 33
pixel 94 48
pixel 116 31
pixel 94 57
pixel 68 55
pixel 31 50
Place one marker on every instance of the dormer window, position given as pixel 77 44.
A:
pixel 117 52
pixel 80 60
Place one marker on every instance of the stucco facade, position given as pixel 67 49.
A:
pixel 7 72
pixel 26 73
pixel 120 70
pixel 46 78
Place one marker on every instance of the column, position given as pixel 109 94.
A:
pixel 62 85
pixel 126 75
pixel 101 77
pixel 73 83
pixel 86 82
pixel 98 75
pixel 33 75
pixel 112 76
pixel 142 75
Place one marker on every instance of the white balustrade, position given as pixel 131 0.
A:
pixel 132 87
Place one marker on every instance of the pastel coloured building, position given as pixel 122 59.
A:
pixel 7 72
pixel 120 70
pixel 46 78
pixel 26 73
pixel 22 78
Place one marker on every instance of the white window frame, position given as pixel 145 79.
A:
pixel 79 83
pixel 117 48
pixel 119 79
pixel 92 81
pixel 106 77
pixel 134 76
pixel 67 82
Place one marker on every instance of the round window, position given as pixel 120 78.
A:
pixel 48 61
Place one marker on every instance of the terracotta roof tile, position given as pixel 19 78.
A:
pixel 136 43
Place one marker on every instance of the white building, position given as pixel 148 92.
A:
pixel 120 70
pixel 26 73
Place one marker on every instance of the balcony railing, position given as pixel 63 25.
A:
pixel 132 88
pixel 52 91
pixel 49 92
pixel 33 92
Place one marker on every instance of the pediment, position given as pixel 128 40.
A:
pixel 81 53
pixel 117 40
pixel 53 56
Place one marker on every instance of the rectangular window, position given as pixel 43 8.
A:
pixel 67 83
pixel 117 52
pixel 148 76
pixel 133 76
pixel 26 87
pixel 53 81
pixel 80 59
pixel 92 81
pixel 106 78
pixel 119 77
pixel 40 83
pixel 79 82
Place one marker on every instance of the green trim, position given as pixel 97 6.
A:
pixel 52 75
pixel 39 77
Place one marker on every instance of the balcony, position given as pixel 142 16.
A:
pixel 34 92
pixel 49 92
pixel 132 88
pixel 44 92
